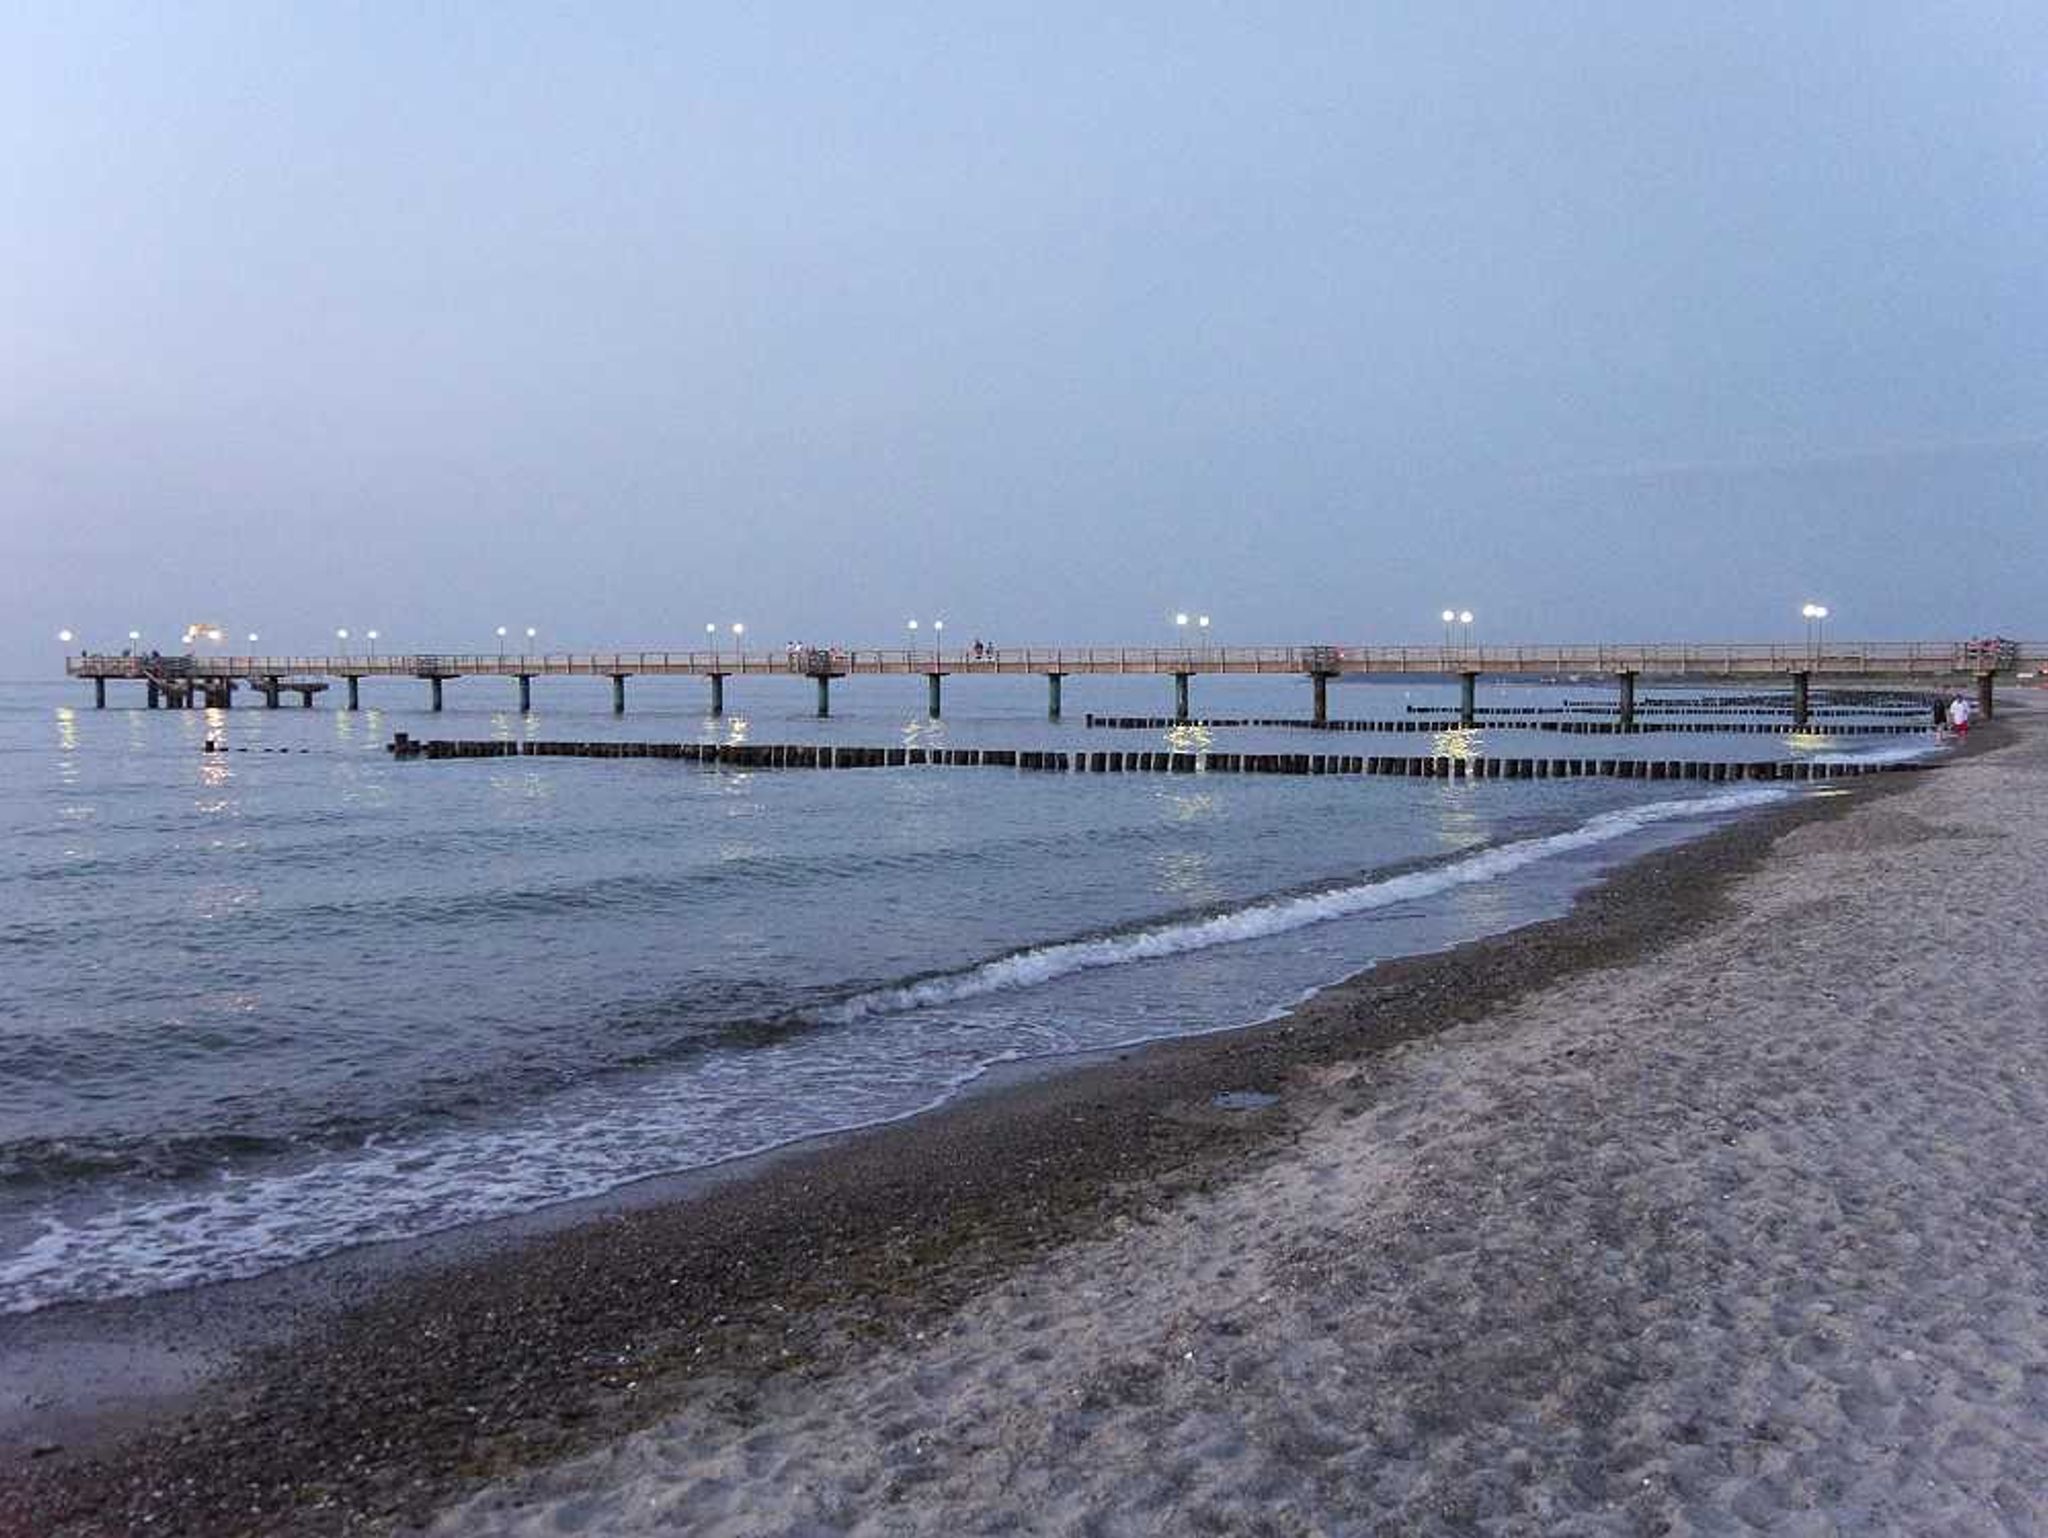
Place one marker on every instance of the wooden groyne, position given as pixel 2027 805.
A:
pixel 1574 728
pixel 1439 766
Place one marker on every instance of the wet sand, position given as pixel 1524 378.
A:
pixel 1712 1207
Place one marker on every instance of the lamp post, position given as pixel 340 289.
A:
pixel 341 635
pixel 1450 618
pixel 1465 619
pixel 938 636
pixel 910 649
pixel 134 640
pixel 1816 617
pixel 739 648
pixel 1180 630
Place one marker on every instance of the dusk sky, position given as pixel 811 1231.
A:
pixel 1629 321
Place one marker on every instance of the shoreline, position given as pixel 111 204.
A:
pixel 529 1348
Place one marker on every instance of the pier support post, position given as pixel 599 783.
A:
pixel 931 694
pixel 1052 695
pixel 223 697
pixel 354 698
pixel 270 691
pixel 718 695
pixel 305 699
pixel 1320 682
pixel 99 694
pixel 618 694
pixel 1180 696
pixel 1628 701
pixel 824 696
pixel 1801 713
pixel 434 686
pixel 525 693
pixel 1984 700
pixel 153 697
pixel 1468 699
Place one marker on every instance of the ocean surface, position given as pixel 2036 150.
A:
pixel 262 1005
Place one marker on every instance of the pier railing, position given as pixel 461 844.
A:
pixel 1675 659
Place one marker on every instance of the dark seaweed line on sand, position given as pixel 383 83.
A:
pixel 383 1413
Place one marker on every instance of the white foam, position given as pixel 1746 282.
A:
pixel 1030 968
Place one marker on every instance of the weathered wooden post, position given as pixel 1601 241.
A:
pixel 99 692
pixel 1180 696
pixel 931 694
pixel 1468 699
pixel 1800 713
pixel 1628 700
pixel 1052 695
pixel 525 693
pixel 718 695
pixel 618 694
pixel 434 690
pixel 1984 700
pixel 354 702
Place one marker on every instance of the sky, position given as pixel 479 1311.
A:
pixel 1632 321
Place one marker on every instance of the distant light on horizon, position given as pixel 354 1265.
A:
pixel 64 635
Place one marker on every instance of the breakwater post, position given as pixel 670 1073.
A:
pixel 1468 700
pixel 1800 714
pixel 1628 701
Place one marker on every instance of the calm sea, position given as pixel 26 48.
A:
pixel 265 1004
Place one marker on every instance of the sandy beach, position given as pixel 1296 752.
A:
pixel 1715 1207
pixel 1747 1236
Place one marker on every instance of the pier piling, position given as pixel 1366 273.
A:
pixel 354 703
pixel 618 694
pixel 1180 696
pixel 1052 695
pixel 1628 700
pixel 931 694
pixel 718 695
pixel 824 696
pixel 1468 699
pixel 525 693
pixel 433 688
pixel 1984 700
pixel 1801 715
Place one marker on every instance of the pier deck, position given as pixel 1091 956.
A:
pixel 213 679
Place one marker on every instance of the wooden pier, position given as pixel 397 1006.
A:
pixel 191 680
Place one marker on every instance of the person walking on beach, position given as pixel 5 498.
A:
pixel 1959 716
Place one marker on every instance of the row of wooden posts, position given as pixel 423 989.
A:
pixel 798 755
pixel 1588 728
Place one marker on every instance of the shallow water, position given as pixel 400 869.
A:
pixel 263 1005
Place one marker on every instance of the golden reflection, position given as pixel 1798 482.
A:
pixel 1190 806
pixel 1189 737
pixel 67 728
pixel 1811 742
pixel 214 771
pixel 1459 742
pixel 736 728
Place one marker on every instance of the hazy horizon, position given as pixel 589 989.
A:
pixel 1631 323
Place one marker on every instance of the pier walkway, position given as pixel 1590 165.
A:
pixel 191 680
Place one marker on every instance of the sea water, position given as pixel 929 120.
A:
pixel 262 1004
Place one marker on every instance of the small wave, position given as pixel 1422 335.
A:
pixel 1042 964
